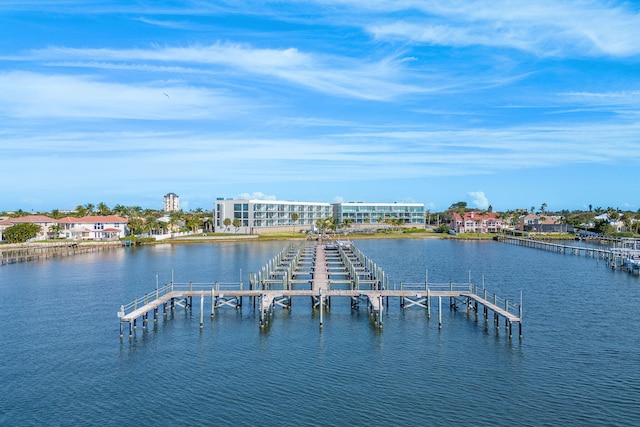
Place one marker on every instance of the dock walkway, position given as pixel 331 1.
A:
pixel 626 255
pixel 319 271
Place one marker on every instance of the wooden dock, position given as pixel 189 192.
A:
pixel 320 271
pixel 625 255
pixel 14 254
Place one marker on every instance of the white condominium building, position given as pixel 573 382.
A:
pixel 246 216
pixel 364 213
pixel 252 216
pixel 171 203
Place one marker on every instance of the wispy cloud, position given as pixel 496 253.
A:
pixel 545 28
pixel 333 75
pixel 28 94
pixel 424 154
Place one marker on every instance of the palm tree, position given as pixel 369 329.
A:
pixel 120 210
pixel 81 211
pixel 207 223
pixel 89 208
pixel 103 209
pixel 294 218
pixel 227 223
pixel 237 223
pixel 136 225
pixel 55 230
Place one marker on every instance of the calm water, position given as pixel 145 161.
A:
pixel 63 362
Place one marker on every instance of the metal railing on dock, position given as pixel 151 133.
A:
pixel 624 256
pixel 13 254
pixel 266 294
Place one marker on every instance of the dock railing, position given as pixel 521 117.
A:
pixel 507 305
pixel 176 286
pixel 423 286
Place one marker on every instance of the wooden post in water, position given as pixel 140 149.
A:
pixel 201 312
pixel 520 315
pixel 213 301
pixel 520 328
pixel 439 312
pixel 320 306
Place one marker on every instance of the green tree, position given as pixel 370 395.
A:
pixel 81 211
pixel 193 222
pixel 120 210
pixel 442 228
pixel 458 206
pixel 227 223
pixel 22 232
pixel 103 209
pixel 136 225
pixel 294 218
pixel 237 223
pixel 54 231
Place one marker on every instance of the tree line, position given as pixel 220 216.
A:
pixel 139 221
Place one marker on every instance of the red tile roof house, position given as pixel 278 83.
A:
pixel 476 222
pixel 109 227
pixel 43 221
pixel 543 223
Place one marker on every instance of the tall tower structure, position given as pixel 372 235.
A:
pixel 171 202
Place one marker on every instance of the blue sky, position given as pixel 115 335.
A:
pixel 499 103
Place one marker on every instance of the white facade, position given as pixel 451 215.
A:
pixel 171 203
pixel 254 216
pixel 364 213
pixel 43 221
pixel 109 227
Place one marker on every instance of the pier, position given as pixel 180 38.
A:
pixel 625 255
pixel 17 253
pixel 318 271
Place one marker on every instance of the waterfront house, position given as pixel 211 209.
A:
pixel 43 221
pixel 543 224
pixel 476 222
pixel 110 227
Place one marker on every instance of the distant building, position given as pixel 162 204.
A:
pixel 476 222
pixel 543 224
pixel 171 203
pixel 43 221
pixel 109 227
pixel 255 216
pixel 365 213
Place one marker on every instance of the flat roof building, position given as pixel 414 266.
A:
pixel 171 203
pixel 254 216
pixel 365 213
pixel 247 216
